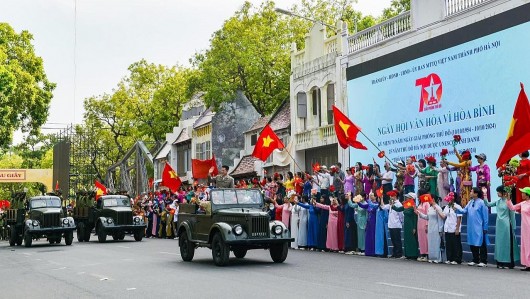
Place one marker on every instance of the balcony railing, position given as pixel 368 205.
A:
pixel 455 6
pixel 330 45
pixel 380 32
pixel 303 137
pixel 327 131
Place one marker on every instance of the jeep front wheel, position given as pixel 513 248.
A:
pixel 28 239
pixel 220 252
pixel 187 248
pixel 138 235
pixel 240 252
pixel 279 252
pixel 102 235
pixel 12 236
pixel 68 238
pixel 81 230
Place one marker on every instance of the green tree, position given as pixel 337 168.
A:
pixel 25 92
pixel 396 7
pixel 250 53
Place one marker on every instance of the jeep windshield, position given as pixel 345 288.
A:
pixel 116 202
pixel 235 196
pixel 45 203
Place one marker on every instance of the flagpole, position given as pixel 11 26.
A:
pixel 296 164
pixel 376 146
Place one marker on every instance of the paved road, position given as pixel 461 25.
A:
pixel 153 268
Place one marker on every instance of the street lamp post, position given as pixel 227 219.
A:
pixel 292 14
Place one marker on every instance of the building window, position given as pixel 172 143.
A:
pixel 183 159
pixel 316 101
pixel 301 98
pixel 331 102
pixel 253 139
pixel 203 150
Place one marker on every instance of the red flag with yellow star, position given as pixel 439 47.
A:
pixel 100 189
pixel 268 141
pixel 170 178
pixel 346 130
pixel 518 139
pixel 409 203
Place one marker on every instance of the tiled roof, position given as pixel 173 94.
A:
pixel 244 167
pixel 281 119
pixel 182 137
pixel 205 118
pixel 260 123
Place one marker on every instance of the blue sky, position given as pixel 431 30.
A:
pixel 112 34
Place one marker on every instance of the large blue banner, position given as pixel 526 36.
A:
pixel 415 108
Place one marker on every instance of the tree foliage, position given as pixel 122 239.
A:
pixel 250 53
pixel 396 7
pixel 146 105
pixel 25 92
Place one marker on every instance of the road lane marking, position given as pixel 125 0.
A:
pixel 123 247
pixel 421 289
pixel 131 289
pixel 172 253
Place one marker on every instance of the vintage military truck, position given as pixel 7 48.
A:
pixel 112 216
pixel 233 220
pixel 43 218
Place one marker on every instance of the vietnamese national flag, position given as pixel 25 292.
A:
pixel 170 179
pixel 518 139
pixel 200 168
pixel 426 198
pixel 267 142
pixel 346 130
pixel 100 189
pixel 409 203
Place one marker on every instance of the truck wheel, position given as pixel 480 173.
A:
pixel 220 252
pixel 121 236
pixel 58 239
pixel 68 238
pixel 279 252
pixel 115 237
pixel 88 232
pixel 138 235
pixel 28 239
pixel 19 239
pixel 102 235
pixel 240 252
pixel 52 241
pixel 81 232
pixel 12 236
pixel 187 248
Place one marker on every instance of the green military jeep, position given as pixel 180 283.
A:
pixel 112 216
pixel 44 219
pixel 233 220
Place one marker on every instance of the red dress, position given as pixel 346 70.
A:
pixel 524 168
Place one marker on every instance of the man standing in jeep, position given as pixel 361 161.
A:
pixel 222 180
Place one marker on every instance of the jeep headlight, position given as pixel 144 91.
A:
pixel 66 222
pixel 109 220
pixel 277 229
pixel 238 230
pixel 35 223
pixel 136 220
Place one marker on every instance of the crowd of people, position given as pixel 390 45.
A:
pixel 357 211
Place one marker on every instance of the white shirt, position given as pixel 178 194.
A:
pixel 324 180
pixel 388 175
pixel 450 221
pixel 395 219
